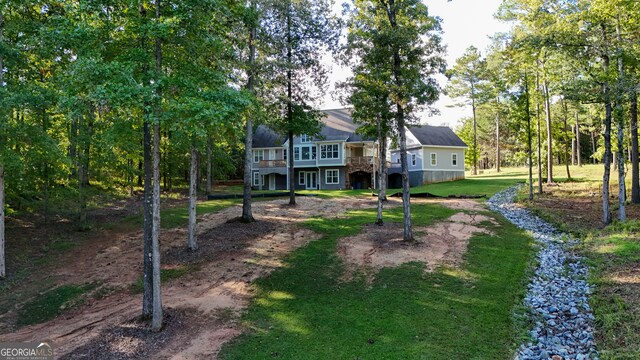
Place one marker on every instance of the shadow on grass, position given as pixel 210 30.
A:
pixel 305 311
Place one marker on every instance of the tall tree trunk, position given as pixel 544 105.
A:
pixel 382 195
pixel 169 162
pixel 292 182
pixel 147 295
pixel 164 161
pixel 45 168
pixel 475 135
pixel 156 318
pixel 529 147
pixel 578 147
pixel 3 271
pixel 406 198
pixel 73 146
pixel 567 138
pixel 247 213
pixel 209 175
pixel 198 171
pixel 607 138
pixel 87 147
pixel 82 200
pixel 292 191
pixel 607 158
pixel 574 156
pixel 593 147
pixel 397 71
pixel 635 172
pixel 498 142
pixel 539 134
pixel 383 168
pixel 547 111
pixel 193 198
pixel 622 186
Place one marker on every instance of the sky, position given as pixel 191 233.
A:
pixel 465 23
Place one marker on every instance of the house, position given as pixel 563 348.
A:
pixel 434 153
pixel 339 158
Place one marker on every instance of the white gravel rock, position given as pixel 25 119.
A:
pixel 558 293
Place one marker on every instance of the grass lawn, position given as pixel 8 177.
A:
pixel 486 184
pixel 303 311
pixel 177 216
pixel 614 258
pixel 52 303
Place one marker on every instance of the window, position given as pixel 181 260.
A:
pixel 258 155
pixel 304 138
pixel 329 151
pixel 304 153
pixel 256 179
pixel 301 176
pixel 434 159
pixel 332 176
pixel 454 159
pixel 413 159
pixel 284 154
pixel 398 160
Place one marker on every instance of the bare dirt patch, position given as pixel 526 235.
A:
pixel 578 205
pixel 443 243
pixel 133 339
pixel 231 256
pixel 462 204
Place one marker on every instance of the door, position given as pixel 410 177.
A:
pixel 311 180
pixel 272 181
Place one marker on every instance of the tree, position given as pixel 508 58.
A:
pixel 251 25
pixel 371 109
pixel 297 32
pixel 156 316
pixel 368 91
pixel 406 45
pixel 2 145
pixel 466 81
pixel 497 87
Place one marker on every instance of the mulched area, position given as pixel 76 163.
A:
pixel 229 236
pixel 579 212
pixel 135 339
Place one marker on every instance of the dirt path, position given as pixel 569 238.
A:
pixel 205 302
pixel 202 308
pixel 442 243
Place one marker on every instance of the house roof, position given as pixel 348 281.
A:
pixel 338 125
pixel 265 137
pixel 436 136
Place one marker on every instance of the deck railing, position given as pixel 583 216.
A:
pixel 360 160
pixel 272 163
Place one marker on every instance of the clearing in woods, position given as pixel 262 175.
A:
pixel 216 292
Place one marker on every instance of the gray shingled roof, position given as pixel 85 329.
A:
pixel 264 137
pixel 338 125
pixel 436 136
